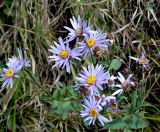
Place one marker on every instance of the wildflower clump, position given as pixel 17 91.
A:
pixel 93 79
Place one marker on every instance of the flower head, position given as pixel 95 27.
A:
pixel 79 28
pixel 20 59
pixel 92 111
pixel 141 60
pixel 112 105
pixel 125 83
pixel 93 77
pixel 62 53
pixel 9 73
pixel 92 41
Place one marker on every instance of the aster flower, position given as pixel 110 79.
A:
pixel 20 59
pixel 111 81
pixel 112 105
pixel 91 112
pixel 62 53
pixel 92 41
pixel 125 83
pixel 10 73
pixel 79 28
pixel 93 78
pixel 141 60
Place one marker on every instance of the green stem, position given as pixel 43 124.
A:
pixel 73 72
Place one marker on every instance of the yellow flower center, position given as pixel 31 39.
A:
pixel 113 104
pixel 91 79
pixel 143 60
pixel 64 53
pixel 79 32
pixel 125 84
pixel 93 112
pixel 90 42
pixel 9 73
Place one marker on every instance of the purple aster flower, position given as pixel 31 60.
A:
pixel 62 53
pixel 112 105
pixel 20 59
pixel 9 73
pixel 93 78
pixel 91 112
pixel 125 83
pixel 79 28
pixel 141 60
pixel 92 41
